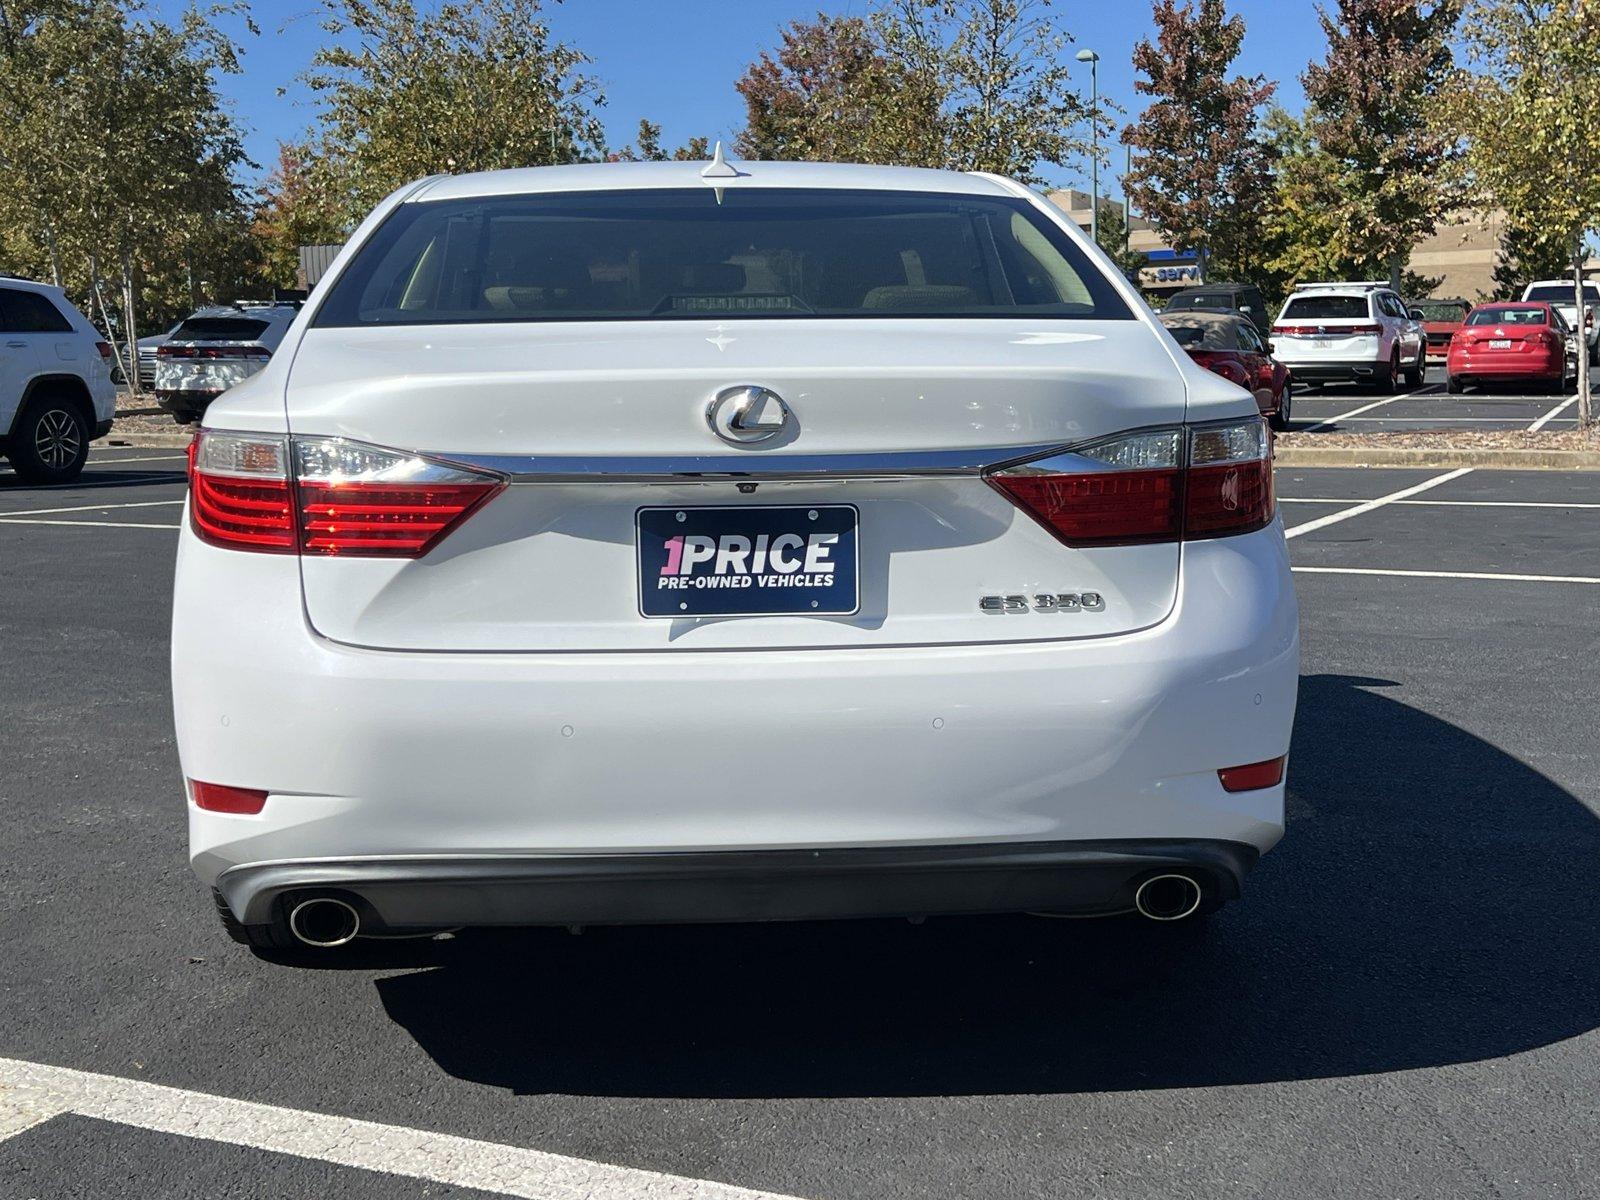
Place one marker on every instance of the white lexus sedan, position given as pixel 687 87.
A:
pixel 658 542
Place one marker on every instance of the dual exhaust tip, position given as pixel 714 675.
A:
pixel 324 922
pixel 1168 897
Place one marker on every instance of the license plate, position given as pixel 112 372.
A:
pixel 747 560
pixel 1499 343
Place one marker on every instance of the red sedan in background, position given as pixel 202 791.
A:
pixel 1521 340
pixel 1228 344
pixel 1440 320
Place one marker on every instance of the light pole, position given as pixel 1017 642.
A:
pixel 1093 59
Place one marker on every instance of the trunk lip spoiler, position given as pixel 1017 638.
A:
pixel 690 468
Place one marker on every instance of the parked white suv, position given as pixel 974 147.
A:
pixel 56 394
pixel 1350 331
pixel 214 350
pixel 622 543
pixel 1561 295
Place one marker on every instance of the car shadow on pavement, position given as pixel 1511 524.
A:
pixel 91 481
pixel 1433 903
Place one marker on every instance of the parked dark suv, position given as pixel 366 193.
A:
pixel 1243 298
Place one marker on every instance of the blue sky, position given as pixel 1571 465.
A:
pixel 675 61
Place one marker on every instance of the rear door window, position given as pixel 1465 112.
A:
pixel 684 253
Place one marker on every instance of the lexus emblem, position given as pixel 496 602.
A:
pixel 747 414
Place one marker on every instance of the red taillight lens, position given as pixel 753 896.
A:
pixel 215 797
pixel 1252 776
pixel 239 494
pixel 315 495
pixel 1228 488
pixel 1352 329
pixel 255 353
pixel 364 500
pixel 1158 486
pixel 104 348
pixel 1100 509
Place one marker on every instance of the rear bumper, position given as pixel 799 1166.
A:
pixel 373 758
pixel 756 885
pixel 1510 366
pixel 1321 370
pixel 192 404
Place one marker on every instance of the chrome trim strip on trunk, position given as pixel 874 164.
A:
pixel 669 468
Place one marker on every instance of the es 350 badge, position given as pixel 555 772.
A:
pixel 1044 602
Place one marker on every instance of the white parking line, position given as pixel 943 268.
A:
pixel 151 458
pixel 86 524
pixel 1492 575
pixel 1552 414
pixel 1364 408
pixel 29 1089
pixel 1443 420
pixel 1449 503
pixel 39 512
pixel 1367 506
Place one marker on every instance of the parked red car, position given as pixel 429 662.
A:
pixel 1228 344
pixel 1440 320
pixel 1521 340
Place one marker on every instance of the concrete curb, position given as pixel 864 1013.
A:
pixel 1503 460
pixel 147 441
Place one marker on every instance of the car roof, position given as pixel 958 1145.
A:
pixel 602 177
pixel 30 285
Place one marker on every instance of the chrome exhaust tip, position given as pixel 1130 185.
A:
pixel 1168 897
pixel 324 922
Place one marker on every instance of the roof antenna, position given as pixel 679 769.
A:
pixel 719 167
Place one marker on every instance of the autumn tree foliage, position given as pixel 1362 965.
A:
pixel 972 85
pixel 829 92
pixel 1370 108
pixel 1201 168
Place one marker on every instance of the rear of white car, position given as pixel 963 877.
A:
pixel 615 544
pixel 1342 332
pixel 214 350
pixel 1562 295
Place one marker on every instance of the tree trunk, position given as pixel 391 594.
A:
pixel 55 257
pixel 130 335
pixel 1581 311
pixel 1396 265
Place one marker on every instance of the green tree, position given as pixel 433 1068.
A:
pixel 1525 255
pixel 997 69
pixel 829 92
pixel 1369 107
pixel 117 171
pixel 1113 228
pixel 292 212
pixel 409 90
pixel 1201 168
pixel 970 85
pixel 649 148
pixel 1525 104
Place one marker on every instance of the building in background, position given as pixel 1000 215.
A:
pixel 1461 252
pixel 314 264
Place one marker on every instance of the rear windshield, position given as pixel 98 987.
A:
pixel 684 253
pixel 1327 307
pixel 1209 300
pixel 219 329
pixel 1561 293
pixel 1502 315
pixel 1441 310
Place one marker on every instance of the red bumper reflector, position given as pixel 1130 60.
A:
pixel 1252 776
pixel 214 797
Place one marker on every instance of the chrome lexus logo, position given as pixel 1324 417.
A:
pixel 747 414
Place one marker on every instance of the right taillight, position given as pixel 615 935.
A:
pixel 1201 481
pixel 327 496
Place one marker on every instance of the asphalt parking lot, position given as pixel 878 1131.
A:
pixel 1354 408
pixel 1406 1003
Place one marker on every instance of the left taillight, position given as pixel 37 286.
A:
pixel 327 496
pixel 103 349
pixel 1163 485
